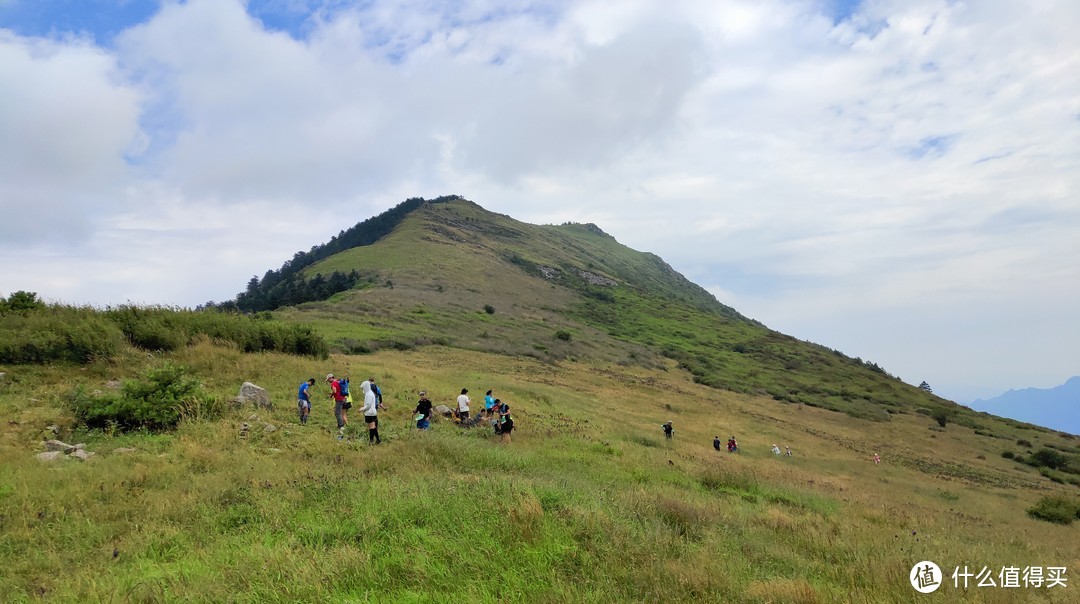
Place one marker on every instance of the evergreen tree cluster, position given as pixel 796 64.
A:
pixel 287 285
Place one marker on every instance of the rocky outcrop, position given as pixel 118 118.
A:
pixel 253 395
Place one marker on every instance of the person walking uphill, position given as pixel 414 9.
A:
pixel 669 430
pixel 339 400
pixel 303 400
pixel 371 413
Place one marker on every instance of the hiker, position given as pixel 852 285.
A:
pixel 463 404
pixel 371 413
pixel 423 412
pixel 489 402
pixel 716 443
pixel 668 430
pixel 505 428
pixel 775 449
pixel 732 445
pixel 877 458
pixel 377 391
pixel 503 410
pixel 343 386
pixel 335 394
pixel 787 450
pixel 303 400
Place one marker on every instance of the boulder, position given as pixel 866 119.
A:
pixel 250 393
pixel 444 411
pixel 81 454
pixel 61 447
pixel 269 428
pixel 113 384
pixel 50 455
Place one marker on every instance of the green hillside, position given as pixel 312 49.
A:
pixel 572 291
pixel 189 496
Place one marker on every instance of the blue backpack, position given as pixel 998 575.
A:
pixel 343 386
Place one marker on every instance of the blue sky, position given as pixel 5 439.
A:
pixel 896 179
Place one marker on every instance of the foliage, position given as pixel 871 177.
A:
pixel 1048 458
pixel 564 335
pixel 60 333
pixel 156 402
pixel 45 334
pixel 489 309
pixel 942 416
pixel 1059 509
pixel 925 387
pixel 20 301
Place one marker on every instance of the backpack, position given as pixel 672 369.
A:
pixel 343 387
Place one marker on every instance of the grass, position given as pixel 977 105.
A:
pixel 588 504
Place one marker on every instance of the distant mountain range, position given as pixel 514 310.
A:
pixel 1057 408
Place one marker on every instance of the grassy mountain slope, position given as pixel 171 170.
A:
pixel 446 261
pixel 588 504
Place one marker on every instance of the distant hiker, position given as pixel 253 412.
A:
pixel 732 445
pixel 716 443
pixel 371 413
pixel 423 412
pixel 489 402
pixel 303 400
pixel 505 428
pixel 775 449
pixel 463 404
pixel 877 458
pixel 669 430
pixel 787 451
pixel 335 394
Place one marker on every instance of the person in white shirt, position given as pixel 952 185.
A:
pixel 463 404
pixel 371 412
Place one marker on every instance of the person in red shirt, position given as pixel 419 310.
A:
pixel 339 400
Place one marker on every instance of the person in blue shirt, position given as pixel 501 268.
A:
pixel 489 402
pixel 303 400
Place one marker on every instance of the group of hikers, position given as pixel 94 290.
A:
pixel 495 412
pixel 732 444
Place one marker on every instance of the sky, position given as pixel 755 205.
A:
pixel 897 180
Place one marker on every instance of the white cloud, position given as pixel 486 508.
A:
pixel 899 168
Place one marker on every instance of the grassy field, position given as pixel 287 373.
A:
pixel 589 503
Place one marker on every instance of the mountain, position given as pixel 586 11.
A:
pixel 592 344
pixel 449 272
pixel 1057 407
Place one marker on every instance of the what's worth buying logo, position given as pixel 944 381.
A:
pixel 926 577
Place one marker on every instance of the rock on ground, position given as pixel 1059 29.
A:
pixel 250 393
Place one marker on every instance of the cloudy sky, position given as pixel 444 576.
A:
pixel 894 179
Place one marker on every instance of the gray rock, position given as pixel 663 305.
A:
pixel 254 417
pixel 80 446
pixel 124 450
pixel 594 279
pixel 50 455
pixel 55 445
pixel 83 455
pixel 250 393
pixel 444 411
pixel 53 428
pixel 113 384
pixel 269 428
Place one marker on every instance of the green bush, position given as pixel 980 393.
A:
pixel 57 334
pixel 564 335
pixel 1058 509
pixel 157 401
pixel 1008 454
pixel 1049 458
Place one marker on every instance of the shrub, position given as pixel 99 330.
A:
pixel 156 402
pixel 1023 443
pixel 1058 509
pixel 57 333
pixel 564 335
pixel 1008 454
pixel 1049 458
pixel 489 309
